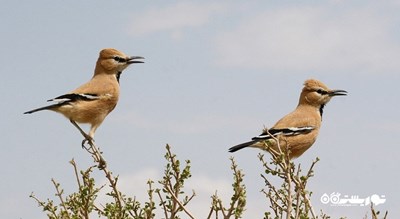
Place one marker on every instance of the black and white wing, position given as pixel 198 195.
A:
pixel 65 100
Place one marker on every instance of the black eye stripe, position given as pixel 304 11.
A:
pixel 323 92
pixel 119 59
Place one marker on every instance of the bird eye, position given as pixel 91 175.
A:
pixel 119 59
pixel 320 91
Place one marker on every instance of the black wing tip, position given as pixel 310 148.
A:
pixel 31 111
pixel 50 107
pixel 240 146
pixel 232 149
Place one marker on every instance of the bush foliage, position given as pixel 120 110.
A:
pixel 289 199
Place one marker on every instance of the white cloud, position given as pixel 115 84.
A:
pixel 311 38
pixel 174 18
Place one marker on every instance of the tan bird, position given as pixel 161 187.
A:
pixel 299 129
pixel 93 101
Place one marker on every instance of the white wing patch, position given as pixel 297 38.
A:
pixel 290 131
pixel 67 98
pixel 89 96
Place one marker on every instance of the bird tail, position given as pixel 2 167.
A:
pixel 241 146
pixel 42 108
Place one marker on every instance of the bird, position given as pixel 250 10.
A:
pixel 298 130
pixel 93 101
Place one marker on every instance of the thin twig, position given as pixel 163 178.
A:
pixel 286 167
pixel 213 204
pixel 274 204
pixel 175 188
pixel 162 203
pixel 289 190
pixel 72 162
pixel 96 154
pixel 222 208
pixel 299 189
pixel 309 174
pixel 43 205
pixel 386 213
pixel 310 206
pixel 373 213
pixel 190 198
pixel 179 203
pixel 59 194
pixel 271 187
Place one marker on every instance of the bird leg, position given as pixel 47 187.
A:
pixel 87 137
pixel 96 154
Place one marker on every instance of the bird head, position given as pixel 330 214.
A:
pixel 112 61
pixel 317 93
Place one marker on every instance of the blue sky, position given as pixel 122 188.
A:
pixel 215 74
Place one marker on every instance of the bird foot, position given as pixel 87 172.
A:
pixel 88 140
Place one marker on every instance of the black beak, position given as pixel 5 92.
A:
pixel 132 59
pixel 337 93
